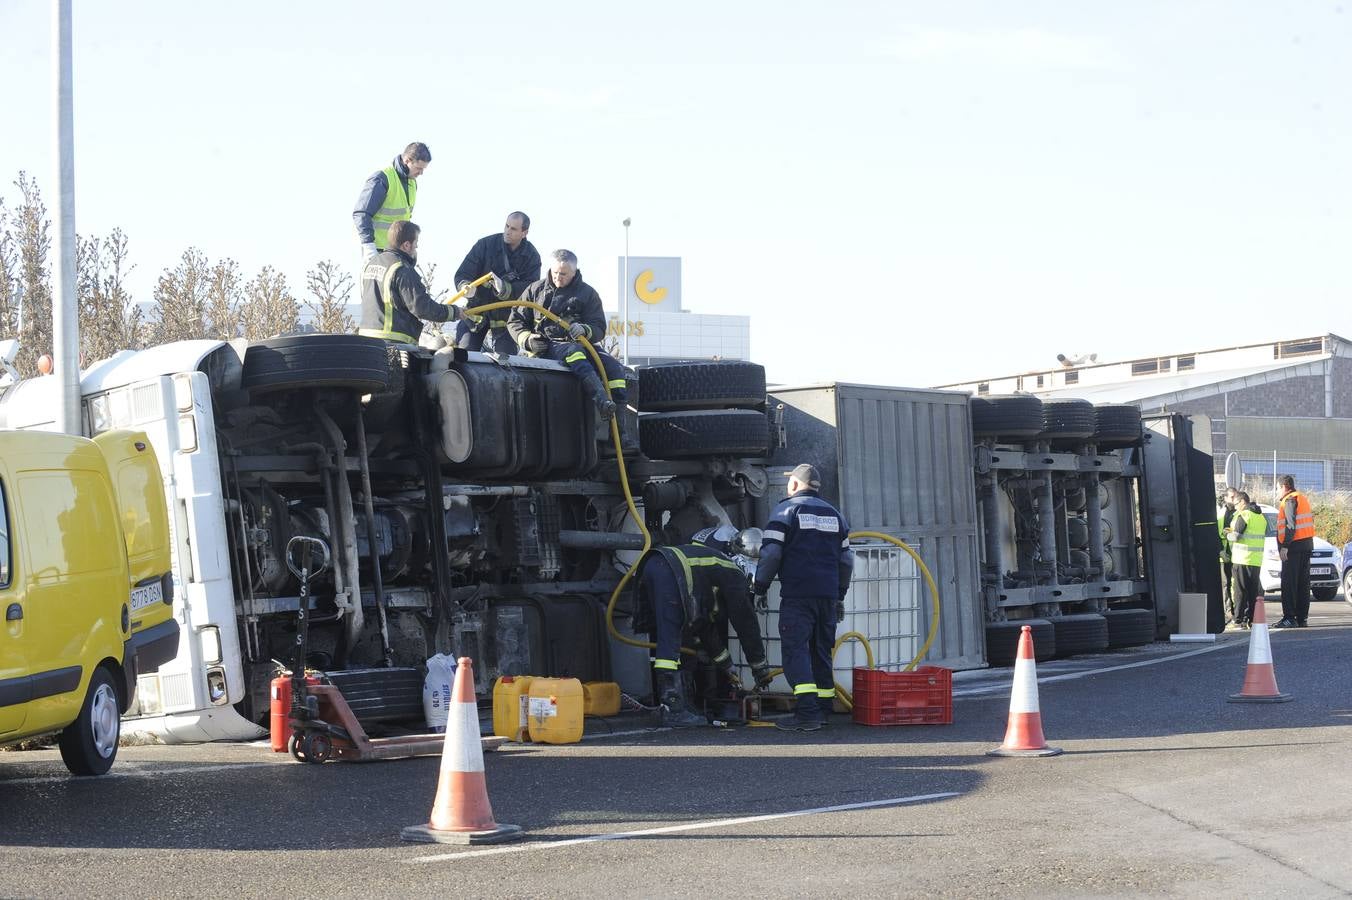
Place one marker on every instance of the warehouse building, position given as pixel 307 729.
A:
pixel 1284 406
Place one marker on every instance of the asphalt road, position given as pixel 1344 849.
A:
pixel 1164 788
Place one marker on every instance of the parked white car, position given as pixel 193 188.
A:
pixel 1324 575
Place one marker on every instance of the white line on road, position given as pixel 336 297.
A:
pixel 689 826
pixel 1004 687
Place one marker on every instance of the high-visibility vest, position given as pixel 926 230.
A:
pixel 1220 529
pixel 398 205
pixel 1248 550
pixel 385 292
pixel 1304 524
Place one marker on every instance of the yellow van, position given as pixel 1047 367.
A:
pixel 85 585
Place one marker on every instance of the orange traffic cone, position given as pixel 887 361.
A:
pixel 461 813
pixel 1024 737
pixel 1260 681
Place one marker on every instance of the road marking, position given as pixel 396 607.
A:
pixel 689 826
pixel 1070 676
pixel 123 772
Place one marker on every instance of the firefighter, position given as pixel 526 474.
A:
pixel 387 197
pixel 1245 533
pixel 807 545
pixel 394 300
pixel 1295 543
pixel 514 264
pixel 564 293
pixel 695 589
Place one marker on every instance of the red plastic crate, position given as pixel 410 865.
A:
pixel 920 697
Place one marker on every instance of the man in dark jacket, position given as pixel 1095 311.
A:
pixel 697 589
pixel 394 300
pixel 565 294
pixel 807 545
pixel 515 265
pixel 388 197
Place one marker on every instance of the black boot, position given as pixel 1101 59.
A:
pixel 806 717
pixel 675 711
pixel 605 407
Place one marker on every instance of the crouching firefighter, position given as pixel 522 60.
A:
pixel 394 300
pixel 696 589
pixel 566 295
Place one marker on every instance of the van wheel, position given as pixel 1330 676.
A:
pixel 89 744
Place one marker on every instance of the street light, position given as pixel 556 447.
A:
pixel 624 304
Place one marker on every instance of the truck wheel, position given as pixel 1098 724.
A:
pixel 1067 420
pixel 1116 425
pixel 1010 416
pixel 1130 627
pixel 710 432
pixel 317 361
pixel 701 385
pixel 89 744
pixel 1002 640
pixel 1080 633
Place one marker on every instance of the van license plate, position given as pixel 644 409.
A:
pixel 146 595
pixel 1321 570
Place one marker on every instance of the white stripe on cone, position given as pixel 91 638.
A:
pixel 1260 645
pixel 466 754
pixel 1023 696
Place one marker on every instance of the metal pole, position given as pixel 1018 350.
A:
pixel 624 307
pixel 65 320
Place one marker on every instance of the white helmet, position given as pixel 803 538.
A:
pixel 717 538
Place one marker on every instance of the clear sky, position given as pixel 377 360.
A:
pixel 895 192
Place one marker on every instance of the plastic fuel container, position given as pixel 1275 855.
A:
pixel 509 706
pixel 600 698
pixel 554 710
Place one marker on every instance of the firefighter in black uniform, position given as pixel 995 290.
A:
pixel 394 300
pixel 515 265
pixel 696 589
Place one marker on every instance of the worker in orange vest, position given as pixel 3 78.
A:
pixel 1295 542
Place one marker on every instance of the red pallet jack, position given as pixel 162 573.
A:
pixel 323 726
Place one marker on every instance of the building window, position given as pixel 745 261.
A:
pixel 1039 381
pixel 1072 378
pixel 984 387
pixel 1186 363
pixel 1308 473
pixel 1298 348
pixel 1145 367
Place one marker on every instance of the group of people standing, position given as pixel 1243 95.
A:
pixel 1244 530
pixel 395 300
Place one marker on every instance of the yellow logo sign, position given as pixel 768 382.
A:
pixel 649 295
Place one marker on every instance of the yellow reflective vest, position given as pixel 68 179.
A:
pixel 398 205
pixel 1248 550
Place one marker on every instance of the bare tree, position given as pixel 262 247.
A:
pixel 109 321
pixel 331 286
pixel 429 275
pixel 269 307
pixel 9 275
pixel 33 242
pixel 181 299
pixel 224 301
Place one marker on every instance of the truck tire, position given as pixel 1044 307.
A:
pixel 1130 627
pixel 1080 633
pixel 1009 416
pixel 1067 420
pixel 1116 425
pixel 317 361
pixel 711 432
pixel 701 385
pixel 89 744
pixel 1002 640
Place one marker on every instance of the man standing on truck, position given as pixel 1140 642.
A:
pixel 695 589
pixel 566 295
pixel 394 300
pixel 515 265
pixel 1295 543
pixel 1223 517
pixel 807 545
pixel 1246 530
pixel 387 197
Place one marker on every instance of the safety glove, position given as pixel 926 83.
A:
pixel 537 344
pixel 762 673
pixel 578 330
pixel 502 288
pixel 761 601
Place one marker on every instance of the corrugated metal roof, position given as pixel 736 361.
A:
pixel 1178 388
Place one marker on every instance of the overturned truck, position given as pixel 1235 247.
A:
pixel 472 504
